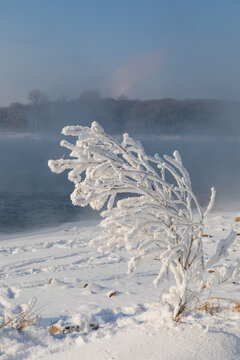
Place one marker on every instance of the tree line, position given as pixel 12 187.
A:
pixel 168 116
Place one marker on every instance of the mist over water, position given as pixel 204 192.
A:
pixel 210 161
pixel 31 196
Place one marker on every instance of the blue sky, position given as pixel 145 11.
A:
pixel 143 49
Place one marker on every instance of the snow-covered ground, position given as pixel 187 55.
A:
pixel 103 313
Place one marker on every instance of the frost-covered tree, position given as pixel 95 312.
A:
pixel 161 218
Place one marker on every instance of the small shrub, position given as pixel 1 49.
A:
pixel 161 218
pixel 236 306
pixel 209 306
pixel 55 329
pixel 23 319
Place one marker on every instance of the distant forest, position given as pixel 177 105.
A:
pixel 164 116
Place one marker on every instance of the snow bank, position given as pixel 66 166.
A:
pixel 73 283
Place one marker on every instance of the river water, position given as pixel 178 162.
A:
pixel 33 197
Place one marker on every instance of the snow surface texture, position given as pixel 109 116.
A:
pixel 161 220
pixel 55 265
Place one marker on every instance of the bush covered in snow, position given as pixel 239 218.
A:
pixel 160 219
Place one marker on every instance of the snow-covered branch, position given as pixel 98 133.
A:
pixel 160 219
